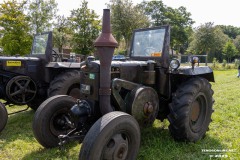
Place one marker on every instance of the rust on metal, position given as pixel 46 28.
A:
pixel 105 45
pixel 106 38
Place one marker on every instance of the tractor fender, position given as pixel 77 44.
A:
pixel 63 65
pixel 201 71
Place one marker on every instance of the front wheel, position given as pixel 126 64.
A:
pixel 191 110
pixel 3 116
pixel 51 119
pixel 116 135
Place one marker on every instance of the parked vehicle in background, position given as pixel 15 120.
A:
pixel 32 79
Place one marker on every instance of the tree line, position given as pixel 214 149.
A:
pixel 19 21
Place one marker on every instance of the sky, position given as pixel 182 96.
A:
pixel 221 12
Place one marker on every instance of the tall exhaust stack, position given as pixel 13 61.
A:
pixel 105 45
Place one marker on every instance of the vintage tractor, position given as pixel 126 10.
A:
pixel 32 79
pixel 129 95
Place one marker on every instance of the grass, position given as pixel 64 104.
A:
pixel 17 140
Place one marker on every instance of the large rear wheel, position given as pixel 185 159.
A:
pixel 191 110
pixel 115 136
pixel 52 119
pixel 3 116
pixel 67 83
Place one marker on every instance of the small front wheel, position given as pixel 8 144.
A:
pixel 51 120
pixel 115 136
pixel 3 116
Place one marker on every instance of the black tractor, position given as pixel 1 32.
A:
pixel 32 79
pixel 120 97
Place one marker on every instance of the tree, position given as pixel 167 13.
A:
pixel 179 20
pixel 15 28
pixel 41 14
pixel 207 38
pixel 85 28
pixel 125 17
pixel 229 50
pixel 236 42
pixel 231 31
pixel 61 33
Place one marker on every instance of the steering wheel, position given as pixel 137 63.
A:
pixel 149 50
pixel 55 56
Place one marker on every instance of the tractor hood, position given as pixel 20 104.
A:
pixel 19 65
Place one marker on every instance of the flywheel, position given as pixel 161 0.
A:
pixel 21 90
pixel 143 105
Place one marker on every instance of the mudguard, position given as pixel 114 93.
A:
pixel 202 71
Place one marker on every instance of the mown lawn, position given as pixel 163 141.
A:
pixel 17 140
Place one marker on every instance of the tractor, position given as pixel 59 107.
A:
pixel 32 79
pixel 118 98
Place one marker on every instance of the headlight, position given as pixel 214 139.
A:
pixel 174 64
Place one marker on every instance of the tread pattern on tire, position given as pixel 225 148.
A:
pixel 3 116
pixel 97 130
pixel 59 83
pixel 42 117
pixel 180 108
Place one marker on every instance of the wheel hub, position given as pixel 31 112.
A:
pixel 195 111
pixel 116 148
pixel 143 105
pixel 21 90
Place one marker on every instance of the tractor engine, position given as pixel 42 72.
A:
pixel 131 88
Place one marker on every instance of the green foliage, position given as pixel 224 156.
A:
pixel 236 42
pixel 179 20
pixel 231 31
pixel 229 50
pixel 125 17
pixel 61 33
pixel 215 63
pixel 85 28
pixel 208 39
pixel 224 64
pixel 41 14
pixel 15 27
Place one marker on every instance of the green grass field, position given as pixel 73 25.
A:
pixel 17 140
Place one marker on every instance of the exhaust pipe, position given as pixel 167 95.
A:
pixel 105 45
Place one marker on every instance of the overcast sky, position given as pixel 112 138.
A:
pixel 217 11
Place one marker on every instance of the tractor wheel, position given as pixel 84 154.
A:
pixel 21 90
pixel 3 116
pixel 116 135
pixel 191 110
pixel 51 119
pixel 67 83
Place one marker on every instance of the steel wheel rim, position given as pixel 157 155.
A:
pixel 58 122
pixel 198 112
pixel 117 147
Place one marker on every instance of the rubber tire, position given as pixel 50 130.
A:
pixel 61 84
pixel 3 116
pixel 180 110
pixel 102 131
pixel 42 119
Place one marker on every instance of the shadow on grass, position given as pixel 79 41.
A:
pixel 156 143
pixel 18 137
pixel 18 127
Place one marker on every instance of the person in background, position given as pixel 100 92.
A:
pixel 238 71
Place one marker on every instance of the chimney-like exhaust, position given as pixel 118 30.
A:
pixel 105 45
